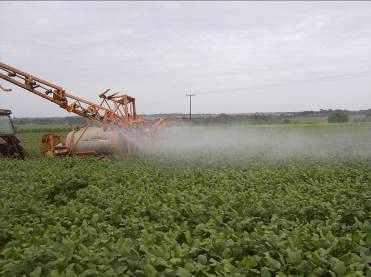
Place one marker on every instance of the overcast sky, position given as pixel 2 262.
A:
pixel 236 57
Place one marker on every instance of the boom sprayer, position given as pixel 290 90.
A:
pixel 113 124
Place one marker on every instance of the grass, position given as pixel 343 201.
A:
pixel 35 128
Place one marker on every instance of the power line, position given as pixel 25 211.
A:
pixel 321 78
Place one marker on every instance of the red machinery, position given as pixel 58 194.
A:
pixel 114 112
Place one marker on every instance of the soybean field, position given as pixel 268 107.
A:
pixel 270 206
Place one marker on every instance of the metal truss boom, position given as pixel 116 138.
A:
pixel 117 109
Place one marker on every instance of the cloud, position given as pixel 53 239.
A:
pixel 157 50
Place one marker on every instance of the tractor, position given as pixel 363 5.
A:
pixel 10 145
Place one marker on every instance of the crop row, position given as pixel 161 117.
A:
pixel 88 217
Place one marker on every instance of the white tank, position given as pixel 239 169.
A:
pixel 99 141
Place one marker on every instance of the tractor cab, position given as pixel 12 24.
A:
pixel 10 146
pixel 6 124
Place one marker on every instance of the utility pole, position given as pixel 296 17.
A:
pixel 190 95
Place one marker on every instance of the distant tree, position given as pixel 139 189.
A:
pixel 260 117
pixel 338 117
pixel 223 118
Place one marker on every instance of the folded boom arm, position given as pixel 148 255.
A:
pixel 112 109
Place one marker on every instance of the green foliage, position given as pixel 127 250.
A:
pixel 50 121
pixel 89 217
pixel 338 117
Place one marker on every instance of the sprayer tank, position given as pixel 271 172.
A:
pixel 99 140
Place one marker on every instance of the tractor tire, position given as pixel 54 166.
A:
pixel 19 152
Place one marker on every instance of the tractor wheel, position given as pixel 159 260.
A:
pixel 15 151
pixel 19 152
